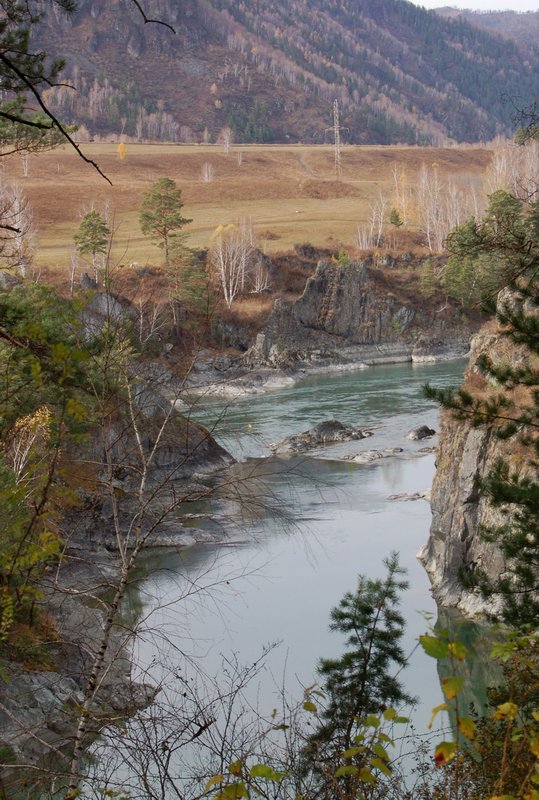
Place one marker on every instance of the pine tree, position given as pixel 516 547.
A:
pixel 161 214
pixel 485 255
pixel 362 681
pixel 92 237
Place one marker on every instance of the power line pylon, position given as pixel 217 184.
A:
pixel 337 128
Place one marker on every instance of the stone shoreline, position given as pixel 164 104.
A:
pixel 235 382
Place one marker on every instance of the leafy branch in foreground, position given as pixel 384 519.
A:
pixel 496 756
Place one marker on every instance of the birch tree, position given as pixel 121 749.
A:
pixel 231 257
pixel 18 228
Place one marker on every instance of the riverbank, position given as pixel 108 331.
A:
pixel 244 379
pixel 387 400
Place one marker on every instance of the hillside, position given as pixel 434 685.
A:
pixel 271 71
pixel 523 28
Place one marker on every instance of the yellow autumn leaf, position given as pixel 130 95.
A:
pixel 467 727
pixel 214 781
pixel 444 753
pixel 435 711
pixel 506 711
pixel 451 686
pixel 366 776
pixel 457 650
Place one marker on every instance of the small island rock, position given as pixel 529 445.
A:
pixel 328 432
pixel 421 432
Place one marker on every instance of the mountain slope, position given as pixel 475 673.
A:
pixel 271 69
pixel 521 27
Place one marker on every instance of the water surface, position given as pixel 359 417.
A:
pixel 277 574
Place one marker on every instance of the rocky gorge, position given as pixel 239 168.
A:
pixel 346 315
pixel 345 318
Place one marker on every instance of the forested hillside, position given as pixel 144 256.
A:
pixel 523 28
pixel 272 71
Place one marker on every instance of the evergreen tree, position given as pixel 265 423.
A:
pixel 189 286
pixel 161 215
pixel 362 680
pixel 428 280
pixel 92 237
pixel 395 218
pixel 489 254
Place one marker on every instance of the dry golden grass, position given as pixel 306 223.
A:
pixel 289 192
pixel 250 309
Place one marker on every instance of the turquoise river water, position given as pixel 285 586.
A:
pixel 271 579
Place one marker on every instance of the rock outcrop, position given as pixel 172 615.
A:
pixel 344 316
pixel 39 708
pixel 459 512
pixel 327 432
pixel 421 432
pixel 158 449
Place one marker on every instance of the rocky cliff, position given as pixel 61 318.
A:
pixel 348 314
pixel 459 512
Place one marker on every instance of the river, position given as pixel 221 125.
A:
pixel 275 580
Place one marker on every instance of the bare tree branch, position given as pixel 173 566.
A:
pixel 148 20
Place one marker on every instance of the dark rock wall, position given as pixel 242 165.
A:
pixel 342 314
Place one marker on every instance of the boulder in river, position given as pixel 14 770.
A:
pixel 368 456
pixel 421 432
pixel 330 431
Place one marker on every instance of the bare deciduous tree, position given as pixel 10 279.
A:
pixel 371 235
pixel 514 168
pixel 207 172
pixel 260 278
pixel 18 228
pixel 225 139
pixel 231 257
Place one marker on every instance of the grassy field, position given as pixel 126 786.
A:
pixel 289 192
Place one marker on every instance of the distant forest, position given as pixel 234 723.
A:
pixel 272 71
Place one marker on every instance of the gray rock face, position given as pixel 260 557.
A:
pixel 429 349
pixel 458 511
pixel 324 433
pixel 343 315
pixel 39 710
pixel 181 450
pixel 104 308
